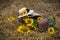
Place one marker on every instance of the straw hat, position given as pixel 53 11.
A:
pixel 28 13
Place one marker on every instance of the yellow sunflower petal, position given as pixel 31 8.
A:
pixel 24 12
pixel 28 31
pixel 23 29
pixel 51 30
pixel 11 19
pixel 29 22
pixel 39 18
pixel 34 27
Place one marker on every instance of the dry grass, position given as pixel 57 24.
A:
pixel 11 7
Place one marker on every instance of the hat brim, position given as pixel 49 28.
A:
pixel 30 12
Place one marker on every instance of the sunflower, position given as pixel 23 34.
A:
pixel 11 19
pixel 24 12
pixel 29 22
pixel 51 30
pixel 23 29
pixel 39 18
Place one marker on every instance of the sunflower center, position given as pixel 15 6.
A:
pixel 39 19
pixel 50 30
pixel 24 29
pixel 11 18
pixel 29 21
pixel 24 12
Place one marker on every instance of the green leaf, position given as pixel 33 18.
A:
pixel 35 23
pixel 51 21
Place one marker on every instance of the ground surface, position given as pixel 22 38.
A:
pixel 8 8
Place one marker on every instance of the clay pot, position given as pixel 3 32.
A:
pixel 43 25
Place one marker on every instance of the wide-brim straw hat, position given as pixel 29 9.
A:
pixel 31 12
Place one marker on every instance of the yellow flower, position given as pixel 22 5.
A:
pixel 11 19
pixel 24 12
pixel 23 29
pixel 29 22
pixel 51 30
pixel 39 18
